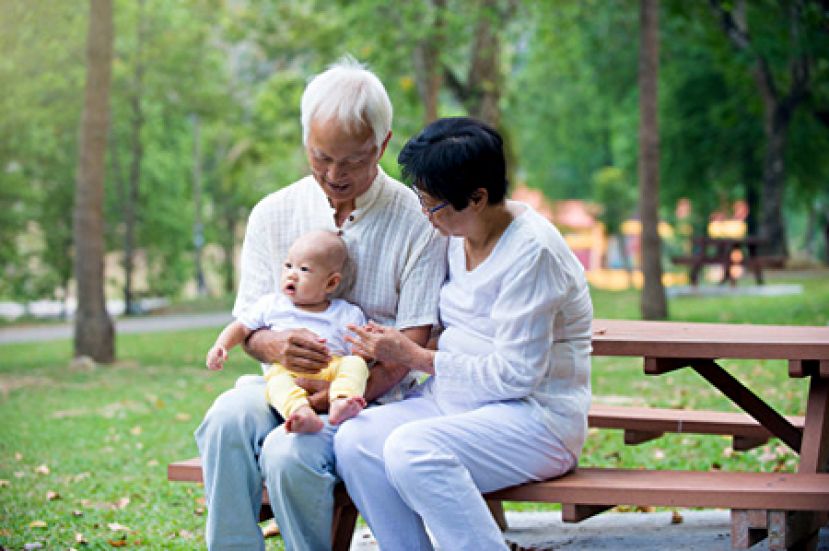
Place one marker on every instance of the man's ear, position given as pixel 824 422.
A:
pixel 384 145
pixel 332 283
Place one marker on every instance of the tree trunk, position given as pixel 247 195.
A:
pixel 137 147
pixel 94 331
pixel 228 244
pixel 654 303
pixel 778 110
pixel 198 227
pixel 427 64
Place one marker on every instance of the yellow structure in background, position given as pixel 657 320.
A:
pixel 585 235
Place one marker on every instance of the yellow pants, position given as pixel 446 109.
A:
pixel 347 375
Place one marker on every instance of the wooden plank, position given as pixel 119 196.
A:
pixel 598 486
pixel 748 401
pixel 680 421
pixel 709 340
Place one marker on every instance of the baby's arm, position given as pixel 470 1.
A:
pixel 233 334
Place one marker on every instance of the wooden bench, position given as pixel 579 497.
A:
pixel 589 491
pixel 641 424
pixel 754 265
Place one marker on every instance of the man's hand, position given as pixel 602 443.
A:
pixel 298 350
pixel 317 392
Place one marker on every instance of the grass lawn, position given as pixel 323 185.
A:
pixel 84 448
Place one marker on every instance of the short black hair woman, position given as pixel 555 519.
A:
pixel 508 399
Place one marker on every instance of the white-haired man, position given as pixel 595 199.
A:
pixel 399 265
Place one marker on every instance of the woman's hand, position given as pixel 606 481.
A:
pixel 388 345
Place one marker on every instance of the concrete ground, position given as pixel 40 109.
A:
pixel 706 530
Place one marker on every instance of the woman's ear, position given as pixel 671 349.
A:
pixel 332 283
pixel 479 198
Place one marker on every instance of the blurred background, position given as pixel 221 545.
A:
pixel 204 122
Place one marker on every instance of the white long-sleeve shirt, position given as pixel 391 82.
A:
pixel 399 259
pixel 518 327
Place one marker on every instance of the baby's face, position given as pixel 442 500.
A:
pixel 305 276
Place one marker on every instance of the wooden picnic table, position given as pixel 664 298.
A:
pixel 729 253
pixel 668 346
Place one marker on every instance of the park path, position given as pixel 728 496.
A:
pixel 143 324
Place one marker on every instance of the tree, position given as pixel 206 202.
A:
pixel 779 106
pixel 94 331
pixel 654 303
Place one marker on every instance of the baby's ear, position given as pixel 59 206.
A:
pixel 333 281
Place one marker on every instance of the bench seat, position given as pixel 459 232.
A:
pixel 733 490
pixel 643 423
pixel 610 487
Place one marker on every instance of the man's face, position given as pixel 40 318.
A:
pixel 343 163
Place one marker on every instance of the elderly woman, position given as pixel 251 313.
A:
pixel 510 388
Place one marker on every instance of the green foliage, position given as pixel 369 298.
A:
pixel 569 108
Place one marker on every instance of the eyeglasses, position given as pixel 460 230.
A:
pixel 430 210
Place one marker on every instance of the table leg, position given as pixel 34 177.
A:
pixel 749 402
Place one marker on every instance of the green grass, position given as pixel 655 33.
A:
pixel 106 433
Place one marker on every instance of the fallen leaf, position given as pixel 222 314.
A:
pixel 181 416
pixel 116 527
pixel 52 496
pixel 77 513
pixel 4 483
pixel 600 331
pixel 676 517
pixel 42 469
pixel 5 532
pixel 122 503
pixel 38 524
pixel 18 456
pixel 186 534
pixel 80 539
pixel 80 476
pixel 152 463
pixel 136 430
pixel 201 500
pixel 198 511
pixel 658 454
pixel 117 543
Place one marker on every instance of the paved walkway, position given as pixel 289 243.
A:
pixel 707 530
pixel 143 324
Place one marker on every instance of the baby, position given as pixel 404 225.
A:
pixel 312 271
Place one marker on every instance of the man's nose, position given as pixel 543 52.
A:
pixel 335 172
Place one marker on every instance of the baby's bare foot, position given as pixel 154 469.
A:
pixel 304 420
pixel 343 409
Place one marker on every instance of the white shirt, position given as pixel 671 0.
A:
pixel 518 327
pixel 276 311
pixel 399 259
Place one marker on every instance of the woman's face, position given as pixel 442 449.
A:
pixel 442 215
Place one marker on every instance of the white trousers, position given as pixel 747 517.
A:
pixel 410 463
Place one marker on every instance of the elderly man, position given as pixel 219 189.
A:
pixel 399 265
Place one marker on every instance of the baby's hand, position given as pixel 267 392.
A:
pixel 216 357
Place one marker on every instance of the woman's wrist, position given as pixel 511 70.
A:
pixel 425 360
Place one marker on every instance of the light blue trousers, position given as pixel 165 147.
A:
pixel 241 443
pixel 411 465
